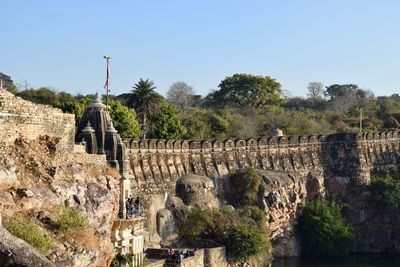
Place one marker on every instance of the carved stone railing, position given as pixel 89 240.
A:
pixel 348 154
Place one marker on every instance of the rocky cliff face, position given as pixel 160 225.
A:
pixel 38 176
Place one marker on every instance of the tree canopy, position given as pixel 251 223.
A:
pixel 167 124
pixel 124 120
pixel 145 101
pixel 247 90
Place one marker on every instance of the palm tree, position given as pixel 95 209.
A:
pixel 145 101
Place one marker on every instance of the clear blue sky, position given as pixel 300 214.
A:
pixel 62 43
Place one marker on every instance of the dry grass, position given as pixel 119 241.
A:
pixel 95 170
pixel 85 237
pixel 112 172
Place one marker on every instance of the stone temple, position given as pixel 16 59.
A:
pixel 97 132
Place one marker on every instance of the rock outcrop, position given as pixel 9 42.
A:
pixel 18 253
pixel 197 190
pixel 38 176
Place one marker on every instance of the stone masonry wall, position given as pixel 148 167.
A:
pixel 19 117
pixel 351 155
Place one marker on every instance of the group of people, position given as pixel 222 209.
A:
pixel 173 254
pixel 132 207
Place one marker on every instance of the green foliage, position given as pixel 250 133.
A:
pixel 242 90
pixel 227 227
pixel 246 240
pixel 121 260
pixel 245 187
pixel 67 218
pixel 323 230
pixel 75 106
pixel 208 223
pixel 205 123
pixel 145 101
pixel 124 120
pixel 253 215
pixel 43 95
pixel 25 228
pixel 237 109
pixel 167 124
pixel 386 192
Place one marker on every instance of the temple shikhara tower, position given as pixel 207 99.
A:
pixel 99 136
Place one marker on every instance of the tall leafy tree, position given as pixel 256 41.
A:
pixel 248 90
pixel 145 101
pixel 124 120
pixel 205 123
pixel 167 124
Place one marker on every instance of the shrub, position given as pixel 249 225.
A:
pixel 121 260
pixel 68 218
pixel 227 227
pixel 253 214
pixel 245 187
pixel 25 228
pixel 207 223
pixel 386 192
pixel 246 240
pixel 324 231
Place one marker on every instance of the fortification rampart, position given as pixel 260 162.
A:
pixel 352 155
pixel 19 117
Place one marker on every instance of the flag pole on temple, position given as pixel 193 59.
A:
pixel 107 79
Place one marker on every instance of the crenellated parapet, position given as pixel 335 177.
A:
pixel 347 154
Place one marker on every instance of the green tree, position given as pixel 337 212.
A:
pixel 246 240
pixel 245 187
pixel 386 192
pixel 43 95
pixel 229 228
pixel 247 90
pixel 124 120
pixel 145 101
pixel 323 230
pixel 167 124
pixel 205 123
pixel 75 106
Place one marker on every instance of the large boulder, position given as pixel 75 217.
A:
pixel 17 253
pixel 196 190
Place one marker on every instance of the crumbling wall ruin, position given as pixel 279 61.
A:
pixel 19 117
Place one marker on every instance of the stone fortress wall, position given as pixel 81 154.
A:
pixel 351 155
pixel 19 117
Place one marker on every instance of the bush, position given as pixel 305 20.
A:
pixel 208 223
pixel 386 192
pixel 67 218
pixel 246 240
pixel 227 227
pixel 245 187
pixel 25 228
pixel 121 260
pixel 254 215
pixel 323 230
